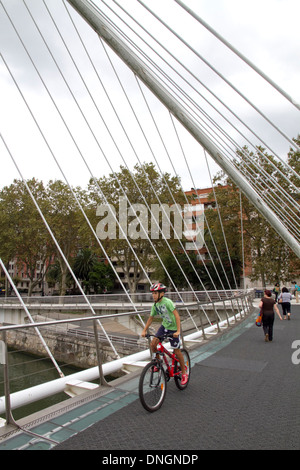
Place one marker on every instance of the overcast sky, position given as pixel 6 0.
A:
pixel 265 31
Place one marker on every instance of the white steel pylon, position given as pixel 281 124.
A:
pixel 103 29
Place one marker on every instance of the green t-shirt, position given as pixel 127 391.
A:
pixel 164 309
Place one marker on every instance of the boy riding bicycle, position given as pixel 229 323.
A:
pixel 165 309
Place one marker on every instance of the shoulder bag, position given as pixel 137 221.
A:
pixel 258 320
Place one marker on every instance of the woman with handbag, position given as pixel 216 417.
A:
pixel 285 301
pixel 267 306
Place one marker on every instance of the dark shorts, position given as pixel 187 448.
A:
pixel 174 342
pixel 286 307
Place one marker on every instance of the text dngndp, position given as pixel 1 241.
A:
pixel 183 459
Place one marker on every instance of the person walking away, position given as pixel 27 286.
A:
pixel 276 291
pixel 285 301
pixel 165 309
pixel 297 291
pixel 268 305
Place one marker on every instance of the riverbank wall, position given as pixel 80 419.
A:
pixel 66 348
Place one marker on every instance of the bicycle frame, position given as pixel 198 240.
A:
pixel 164 352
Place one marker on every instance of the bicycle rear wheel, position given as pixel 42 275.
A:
pixel 152 386
pixel 177 369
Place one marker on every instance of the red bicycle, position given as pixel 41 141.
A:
pixel 156 374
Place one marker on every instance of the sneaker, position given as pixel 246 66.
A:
pixel 184 379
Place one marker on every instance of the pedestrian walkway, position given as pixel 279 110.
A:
pixel 243 394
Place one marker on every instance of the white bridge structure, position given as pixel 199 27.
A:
pixel 126 68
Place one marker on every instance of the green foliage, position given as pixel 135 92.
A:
pixel 24 236
pixel 156 189
pixel 265 251
pixel 95 275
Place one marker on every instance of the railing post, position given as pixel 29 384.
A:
pixel 247 301
pixel 233 310
pixel 242 307
pixel 149 345
pixel 216 315
pixel 250 297
pixel 102 380
pixel 227 316
pixel 4 361
pixel 201 323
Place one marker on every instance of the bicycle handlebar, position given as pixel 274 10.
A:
pixel 161 338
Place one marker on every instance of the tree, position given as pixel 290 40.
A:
pixel 84 263
pixel 101 278
pixel 94 274
pixel 265 250
pixel 67 223
pixel 227 239
pixel 24 236
pixel 134 216
pixel 294 162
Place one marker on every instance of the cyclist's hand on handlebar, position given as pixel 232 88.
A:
pixel 144 334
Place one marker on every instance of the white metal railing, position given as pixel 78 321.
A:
pixel 120 298
pixel 78 301
pixel 198 322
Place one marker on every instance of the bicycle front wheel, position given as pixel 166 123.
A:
pixel 152 386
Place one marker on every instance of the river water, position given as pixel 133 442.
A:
pixel 26 371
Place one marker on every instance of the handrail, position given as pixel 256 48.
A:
pixel 108 299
